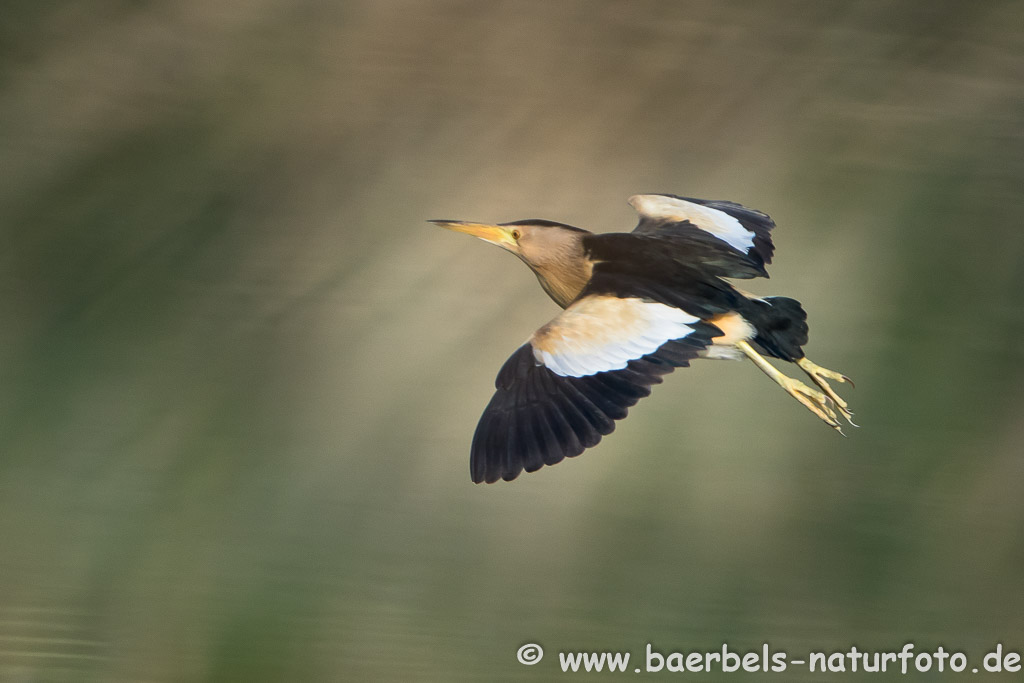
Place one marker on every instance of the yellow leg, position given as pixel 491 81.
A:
pixel 814 401
pixel 820 376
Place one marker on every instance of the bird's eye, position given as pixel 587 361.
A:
pixel 516 234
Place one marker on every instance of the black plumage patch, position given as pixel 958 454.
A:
pixel 643 266
pixel 781 325
pixel 538 418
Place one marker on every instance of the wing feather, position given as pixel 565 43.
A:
pixel 600 333
pixel 539 417
pixel 729 236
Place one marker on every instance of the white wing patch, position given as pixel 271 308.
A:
pixel 603 333
pixel 718 223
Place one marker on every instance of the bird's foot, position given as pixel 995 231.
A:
pixel 820 376
pixel 815 401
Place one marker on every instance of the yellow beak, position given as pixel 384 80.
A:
pixel 495 234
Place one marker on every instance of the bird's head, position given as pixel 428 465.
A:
pixel 535 241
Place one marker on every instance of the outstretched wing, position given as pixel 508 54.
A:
pixel 734 238
pixel 563 390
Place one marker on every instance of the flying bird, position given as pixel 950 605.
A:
pixel 636 306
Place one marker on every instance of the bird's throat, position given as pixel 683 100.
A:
pixel 564 284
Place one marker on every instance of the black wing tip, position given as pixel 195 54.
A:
pixel 512 473
pixel 504 449
pixel 494 480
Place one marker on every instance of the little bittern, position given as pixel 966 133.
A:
pixel 637 306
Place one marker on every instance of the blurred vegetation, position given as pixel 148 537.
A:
pixel 239 374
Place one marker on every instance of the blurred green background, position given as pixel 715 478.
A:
pixel 239 374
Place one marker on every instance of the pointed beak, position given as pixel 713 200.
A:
pixel 495 234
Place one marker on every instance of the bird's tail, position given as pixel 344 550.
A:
pixel 781 325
